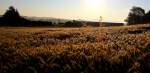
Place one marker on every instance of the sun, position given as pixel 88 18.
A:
pixel 93 9
pixel 94 4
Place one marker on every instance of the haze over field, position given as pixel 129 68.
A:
pixel 110 10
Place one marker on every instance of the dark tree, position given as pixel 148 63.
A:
pixel 147 17
pixel 11 13
pixel 12 17
pixel 136 16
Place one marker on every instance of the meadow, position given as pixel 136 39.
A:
pixel 122 49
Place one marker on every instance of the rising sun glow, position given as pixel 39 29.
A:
pixel 94 4
pixel 95 8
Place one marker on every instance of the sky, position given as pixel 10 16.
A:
pixel 109 10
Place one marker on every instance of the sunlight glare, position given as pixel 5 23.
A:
pixel 95 8
pixel 94 4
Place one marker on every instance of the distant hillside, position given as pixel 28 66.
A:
pixel 48 19
pixel 59 20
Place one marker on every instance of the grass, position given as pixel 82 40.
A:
pixel 124 49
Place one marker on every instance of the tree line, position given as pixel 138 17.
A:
pixel 137 15
pixel 12 18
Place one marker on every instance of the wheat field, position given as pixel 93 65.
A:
pixel 124 49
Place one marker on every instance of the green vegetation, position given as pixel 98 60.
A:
pixel 124 49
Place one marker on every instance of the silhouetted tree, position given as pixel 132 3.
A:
pixel 11 13
pixel 147 17
pixel 136 16
pixel 12 16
